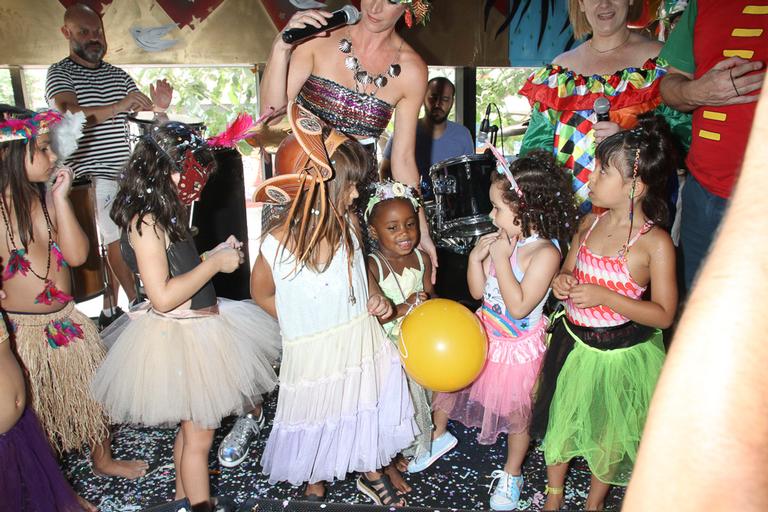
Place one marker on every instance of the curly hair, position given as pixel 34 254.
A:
pixel 13 177
pixel 547 205
pixel 146 187
pixel 652 144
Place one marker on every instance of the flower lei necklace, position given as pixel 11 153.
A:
pixel 18 262
pixel 362 77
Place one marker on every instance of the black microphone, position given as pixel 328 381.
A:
pixel 485 126
pixel 347 15
pixel 601 107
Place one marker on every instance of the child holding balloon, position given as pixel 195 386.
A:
pixel 511 271
pixel 606 350
pixel 403 273
pixel 343 404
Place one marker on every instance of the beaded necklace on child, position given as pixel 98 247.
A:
pixel 18 263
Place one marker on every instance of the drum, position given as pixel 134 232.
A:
pixel 89 279
pixel 462 201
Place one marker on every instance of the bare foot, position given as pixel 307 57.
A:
pixel 395 475
pixel 401 463
pixel 554 502
pixel 317 490
pixel 86 505
pixel 593 506
pixel 130 469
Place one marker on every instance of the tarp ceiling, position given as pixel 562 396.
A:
pixel 229 32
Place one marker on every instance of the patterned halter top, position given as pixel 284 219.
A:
pixel 350 112
pixel 608 271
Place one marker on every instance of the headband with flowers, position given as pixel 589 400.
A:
pixel 415 10
pixel 28 128
pixel 389 189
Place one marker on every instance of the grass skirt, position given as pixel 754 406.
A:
pixel 600 405
pixel 162 370
pixel 499 401
pixel 60 377
pixel 343 405
pixel 30 479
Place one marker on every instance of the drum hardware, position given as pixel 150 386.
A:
pixel 462 203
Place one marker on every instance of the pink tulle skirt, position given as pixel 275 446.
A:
pixel 499 401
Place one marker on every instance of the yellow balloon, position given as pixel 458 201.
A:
pixel 442 345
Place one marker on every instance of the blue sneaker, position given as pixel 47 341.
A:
pixel 507 492
pixel 440 447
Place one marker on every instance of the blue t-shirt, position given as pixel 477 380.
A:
pixel 455 141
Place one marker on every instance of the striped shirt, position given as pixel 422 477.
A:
pixel 104 147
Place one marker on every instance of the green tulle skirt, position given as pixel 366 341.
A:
pixel 600 405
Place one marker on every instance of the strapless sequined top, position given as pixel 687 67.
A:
pixel 350 112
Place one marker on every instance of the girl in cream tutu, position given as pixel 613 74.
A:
pixel 190 358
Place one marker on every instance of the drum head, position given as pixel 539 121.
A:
pixel 465 227
pixel 148 117
pixel 460 160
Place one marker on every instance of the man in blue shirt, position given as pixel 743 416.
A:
pixel 437 138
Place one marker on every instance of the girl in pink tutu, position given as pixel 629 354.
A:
pixel 511 270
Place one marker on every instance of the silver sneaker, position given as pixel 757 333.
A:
pixel 234 448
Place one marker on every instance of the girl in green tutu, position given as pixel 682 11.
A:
pixel 606 347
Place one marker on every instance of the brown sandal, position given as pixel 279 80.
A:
pixel 380 491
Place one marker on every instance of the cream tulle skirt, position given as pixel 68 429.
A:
pixel 161 370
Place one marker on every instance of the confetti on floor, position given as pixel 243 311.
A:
pixel 459 480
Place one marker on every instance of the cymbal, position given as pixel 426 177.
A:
pixel 269 137
pixel 517 129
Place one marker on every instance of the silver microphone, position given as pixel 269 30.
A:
pixel 602 107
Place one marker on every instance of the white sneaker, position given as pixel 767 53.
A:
pixel 507 492
pixel 234 448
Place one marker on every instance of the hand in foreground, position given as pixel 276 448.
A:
pixel 379 306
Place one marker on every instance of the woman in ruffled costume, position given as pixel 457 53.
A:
pixel 343 404
pixel 614 63
pixel 355 80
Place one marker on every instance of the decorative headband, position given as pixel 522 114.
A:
pixel 502 167
pixel 303 160
pixel 415 10
pixel 194 173
pixel 389 189
pixel 65 130
pixel 29 127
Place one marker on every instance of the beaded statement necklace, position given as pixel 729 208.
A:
pixel 18 263
pixel 362 78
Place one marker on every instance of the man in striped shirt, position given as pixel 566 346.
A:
pixel 105 94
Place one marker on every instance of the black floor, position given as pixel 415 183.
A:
pixel 459 480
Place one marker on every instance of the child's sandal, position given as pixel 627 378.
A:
pixel 554 491
pixel 380 491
